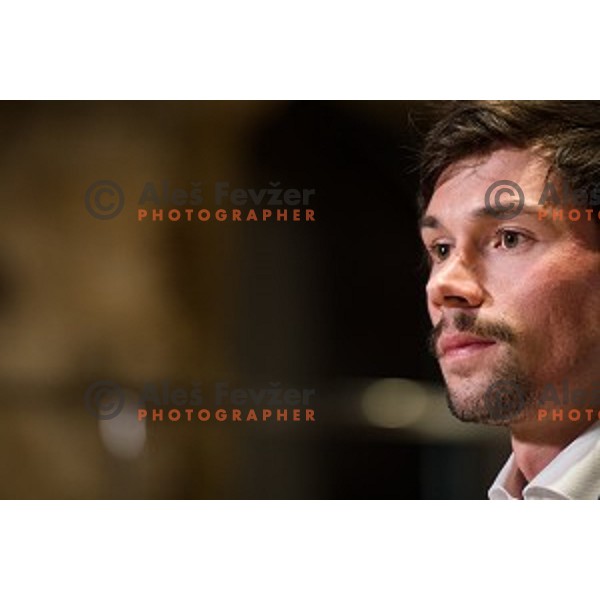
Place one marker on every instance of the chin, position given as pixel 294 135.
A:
pixel 498 394
pixel 475 413
pixel 498 401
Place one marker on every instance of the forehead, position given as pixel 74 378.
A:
pixel 461 187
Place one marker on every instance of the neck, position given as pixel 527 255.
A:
pixel 537 440
pixel 536 445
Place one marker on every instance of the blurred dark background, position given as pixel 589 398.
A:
pixel 336 305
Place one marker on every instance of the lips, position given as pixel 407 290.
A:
pixel 460 344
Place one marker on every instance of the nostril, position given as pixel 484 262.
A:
pixel 454 301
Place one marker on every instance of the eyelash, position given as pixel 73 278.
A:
pixel 522 237
pixel 433 252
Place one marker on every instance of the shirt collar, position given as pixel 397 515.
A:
pixel 574 474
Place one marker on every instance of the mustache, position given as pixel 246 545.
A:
pixel 468 323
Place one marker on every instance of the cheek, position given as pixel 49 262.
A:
pixel 432 312
pixel 431 309
pixel 555 308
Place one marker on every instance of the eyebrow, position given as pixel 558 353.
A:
pixel 496 213
pixel 431 222
pixel 428 222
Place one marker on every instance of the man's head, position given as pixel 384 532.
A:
pixel 515 303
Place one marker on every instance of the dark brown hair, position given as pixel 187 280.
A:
pixel 566 134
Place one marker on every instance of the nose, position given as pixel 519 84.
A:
pixel 455 284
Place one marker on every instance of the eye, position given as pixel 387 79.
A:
pixel 439 251
pixel 508 239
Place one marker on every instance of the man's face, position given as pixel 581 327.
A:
pixel 513 302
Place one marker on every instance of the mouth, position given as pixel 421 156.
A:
pixel 461 346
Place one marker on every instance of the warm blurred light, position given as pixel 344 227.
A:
pixel 394 403
pixel 124 436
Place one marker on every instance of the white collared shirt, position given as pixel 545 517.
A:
pixel 574 474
